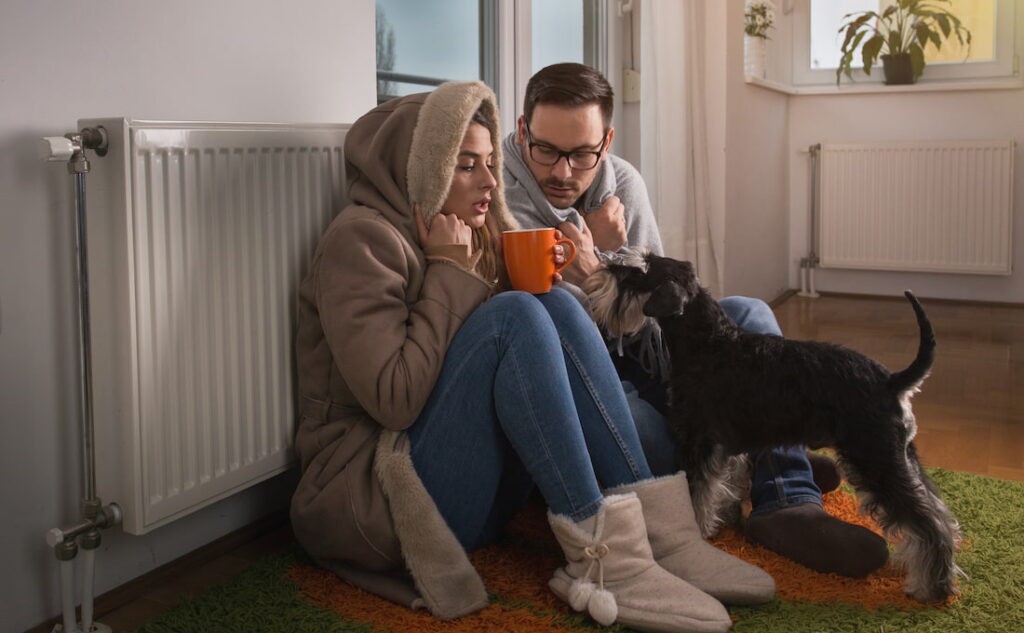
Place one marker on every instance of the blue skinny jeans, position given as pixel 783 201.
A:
pixel 527 395
pixel 781 477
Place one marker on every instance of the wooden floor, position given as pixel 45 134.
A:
pixel 970 415
pixel 970 411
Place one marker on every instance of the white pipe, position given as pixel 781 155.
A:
pixel 807 279
pixel 89 563
pixel 810 284
pixel 67 595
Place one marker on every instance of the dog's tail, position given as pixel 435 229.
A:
pixel 912 376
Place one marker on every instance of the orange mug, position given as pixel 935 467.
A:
pixel 530 258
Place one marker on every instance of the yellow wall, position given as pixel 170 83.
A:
pixel 978 16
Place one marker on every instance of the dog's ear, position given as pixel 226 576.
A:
pixel 666 300
pixel 689 279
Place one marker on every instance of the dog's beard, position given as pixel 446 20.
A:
pixel 618 313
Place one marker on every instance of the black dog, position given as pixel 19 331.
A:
pixel 735 393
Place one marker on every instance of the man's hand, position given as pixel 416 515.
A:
pixel 608 224
pixel 586 262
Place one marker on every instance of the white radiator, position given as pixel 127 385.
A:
pixel 917 206
pixel 198 234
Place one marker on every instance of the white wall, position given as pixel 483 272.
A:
pixel 983 114
pixel 255 60
pixel 755 183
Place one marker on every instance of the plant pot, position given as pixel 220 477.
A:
pixel 897 69
pixel 755 56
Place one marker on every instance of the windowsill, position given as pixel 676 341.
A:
pixel 847 88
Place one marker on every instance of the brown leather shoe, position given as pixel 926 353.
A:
pixel 810 536
pixel 823 468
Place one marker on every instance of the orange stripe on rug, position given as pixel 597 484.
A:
pixel 517 571
pixel 325 590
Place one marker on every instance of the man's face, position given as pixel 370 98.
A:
pixel 564 129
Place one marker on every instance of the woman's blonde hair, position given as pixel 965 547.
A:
pixel 489 265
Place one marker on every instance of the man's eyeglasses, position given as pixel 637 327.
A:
pixel 549 156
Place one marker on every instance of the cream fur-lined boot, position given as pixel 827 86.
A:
pixel 678 547
pixel 611 574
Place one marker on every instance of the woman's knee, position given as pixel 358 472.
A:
pixel 513 302
pixel 515 310
pixel 753 315
pixel 564 308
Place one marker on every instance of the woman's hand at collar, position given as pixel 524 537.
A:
pixel 445 230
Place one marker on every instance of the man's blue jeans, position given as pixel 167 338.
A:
pixel 527 394
pixel 781 477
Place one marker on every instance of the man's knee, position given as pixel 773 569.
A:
pixel 753 315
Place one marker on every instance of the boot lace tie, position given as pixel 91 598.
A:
pixel 595 554
pixel 599 602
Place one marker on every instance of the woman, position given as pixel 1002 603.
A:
pixel 432 402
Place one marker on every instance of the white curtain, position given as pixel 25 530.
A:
pixel 673 137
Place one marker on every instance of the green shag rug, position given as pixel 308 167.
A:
pixel 285 593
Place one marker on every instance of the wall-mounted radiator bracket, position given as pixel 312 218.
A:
pixel 811 261
pixel 71 148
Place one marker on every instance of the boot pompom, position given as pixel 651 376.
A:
pixel 579 593
pixel 602 607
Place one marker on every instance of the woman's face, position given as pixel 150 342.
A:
pixel 469 196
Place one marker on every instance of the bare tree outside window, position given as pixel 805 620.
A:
pixel 385 55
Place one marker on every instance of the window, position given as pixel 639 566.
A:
pixel 991 22
pixel 567 31
pixel 423 43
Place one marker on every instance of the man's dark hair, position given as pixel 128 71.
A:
pixel 569 85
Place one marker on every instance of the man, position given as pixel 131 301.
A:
pixel 559 172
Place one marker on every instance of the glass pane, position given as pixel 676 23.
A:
pixel 976 15
pixel 557 32
pixel 429 40
pixel 826 16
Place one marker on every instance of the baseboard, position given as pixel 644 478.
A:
pixel 874 297
pixel 139 586
pixel 777 301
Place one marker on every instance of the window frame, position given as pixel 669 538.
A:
pixel 1004 65
pixel 506 51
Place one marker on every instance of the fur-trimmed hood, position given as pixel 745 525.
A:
pixel 404 151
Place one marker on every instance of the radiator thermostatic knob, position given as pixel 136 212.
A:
pixel 56 148
pixel 55 537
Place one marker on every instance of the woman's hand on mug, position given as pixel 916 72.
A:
pixel 444 230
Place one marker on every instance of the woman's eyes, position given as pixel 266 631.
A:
pixel 469 168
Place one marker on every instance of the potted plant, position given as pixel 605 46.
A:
pixel 758 18
pixel 898 35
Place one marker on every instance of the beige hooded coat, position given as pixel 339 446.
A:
pixel 375 319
